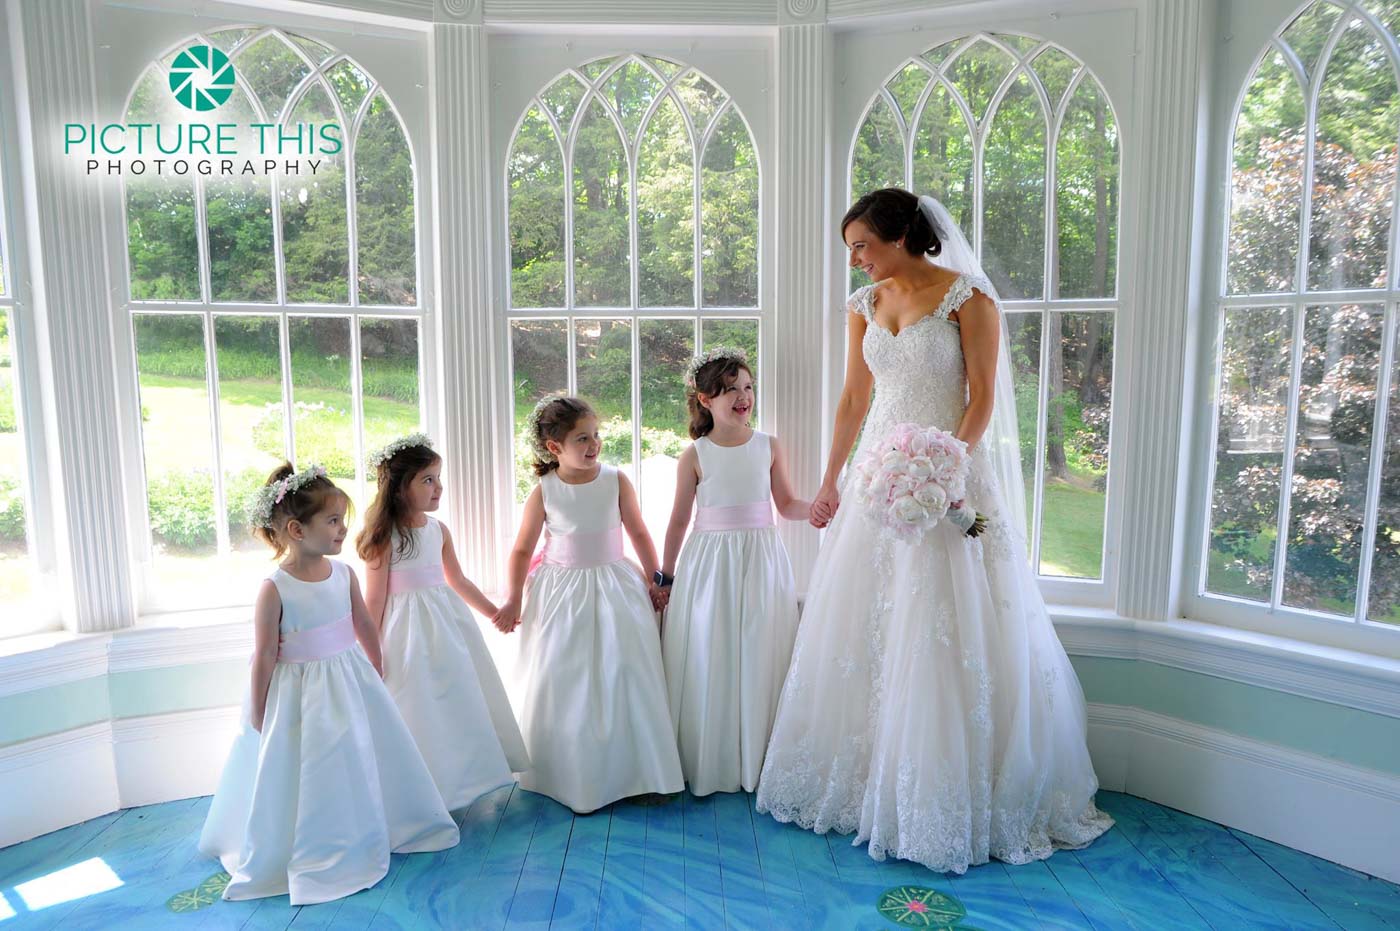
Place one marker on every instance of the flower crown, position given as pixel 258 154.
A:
pixel 386 452
pixel 271 495
pixel 713 355
pixel 533 421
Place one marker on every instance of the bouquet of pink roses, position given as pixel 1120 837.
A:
pixel 915 478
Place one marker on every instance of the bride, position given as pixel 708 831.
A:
pixel 929 707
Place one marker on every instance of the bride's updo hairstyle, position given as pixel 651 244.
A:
pixel 893 213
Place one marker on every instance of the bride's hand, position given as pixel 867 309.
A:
pixel 824 506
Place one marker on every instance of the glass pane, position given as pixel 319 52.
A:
pixel 1266 196
pixel 1332 458
pixel 540 366
pixel 666 347
pixel 668 69
pixel 1013 208
pixel 603 361
pixel 595 69
pixel 1055 70
pixel 1023 331
pixel 943 160
pixel 315 241
pixel 977 73
pixel 238 211
pixel 741 334
pixel 905 88
pixel 629 90
pixel 562 99
pixel 1253 418
pixel 1087 205
pixel 937 56
pixel 350 84
pixel 1079 383
pixel 666 211
pixel 227 39
pixel 1021 44
pixel 322 407
pixel 536 178
pixel 162 248
pixel 602 253
pixel 878 159
pixel 1384 603
pixel 1358 110
pixel 384 212
pixel 1388 12
pixel 1308 33
pixel 729 228
pixel 701 98
pixel 272 70
pixel 252 418
pixel 176 438
pixel 311 48
pixel 15 579
pixel 389 379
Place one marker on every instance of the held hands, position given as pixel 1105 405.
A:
pixel 660 597
pixel 507 617
pixel 824 506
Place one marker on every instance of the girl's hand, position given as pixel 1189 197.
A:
pixel 824 506
pixel 507 617
pixel 659 596
pixel 255 717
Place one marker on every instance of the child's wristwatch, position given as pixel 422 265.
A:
pixel 661 579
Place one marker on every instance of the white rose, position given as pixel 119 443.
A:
pixel 908 510
pixel 894 459
pixel 920 468
pixel 918 444
pixel 931 497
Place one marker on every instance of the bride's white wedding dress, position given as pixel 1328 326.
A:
pixel 930 707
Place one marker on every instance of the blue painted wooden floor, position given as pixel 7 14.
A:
pixel 526 862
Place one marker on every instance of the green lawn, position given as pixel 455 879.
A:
pixel 1072 525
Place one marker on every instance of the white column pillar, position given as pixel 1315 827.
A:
pixel 465 305
pixel 799 320
pixel 69 269
pixel 1156 374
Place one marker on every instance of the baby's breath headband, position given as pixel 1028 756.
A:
pixel 269 496
pixel 713 355
pixel 533 423
pixel 389 450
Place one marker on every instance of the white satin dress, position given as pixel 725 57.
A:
pixel 313 805
pixel 594 718
pixel 730 624
pixel 441 675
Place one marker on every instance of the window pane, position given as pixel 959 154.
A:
pixel 666 211
pixel 562 98
pixel 242 257
pixel 1023 331
pixel 877 162
pixel 1310 31
pixel 540 365
pixel 1384 604
pixel 977 74
pixel 163 253
pixel 176 439
pixel 322 420
pixel 1266 196
pixel 943 161
pixel 315 242
pixel 1087 205
pixel 1253 418
pixel 905 87
pixel 1056 70
pixel 741 334
pixel 384 218
pixel 603 359
pixel 389 374
pixel 1013 209
pixel 272 70
pixel 729 175
pixel 1358 111
pixel 629 90
pixel 666 350
pixel 252 417
pixel 701 98
pixel 602 252
pixel 351 86
pixel 15 567
pixel 1332 458
pixel 536 178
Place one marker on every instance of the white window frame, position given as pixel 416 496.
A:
pixel 1254 26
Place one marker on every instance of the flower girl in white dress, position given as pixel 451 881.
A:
pixel 324 780
pixel 594 718
pixel 436 664
pixel 732 613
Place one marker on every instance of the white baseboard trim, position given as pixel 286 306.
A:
pixel 163 757
pixel 55 781
pixel 1333 810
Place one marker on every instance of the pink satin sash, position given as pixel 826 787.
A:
pixel 321 642
pixel 419 577
pixel 583 550
pixel 735 517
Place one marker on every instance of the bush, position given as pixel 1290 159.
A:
pixel 8 422
pixel 323 435
pixel 11 510
pixel 181 509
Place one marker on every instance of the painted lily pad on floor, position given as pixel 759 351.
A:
pixel 201 896
pixel 920 907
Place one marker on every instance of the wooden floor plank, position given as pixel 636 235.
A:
pixel 704 889
pixel 664 872
pixel 621 902
pixel 581 880
pixel 745 896
pixel 1052 904
pixel 1355 901
pixel 532 902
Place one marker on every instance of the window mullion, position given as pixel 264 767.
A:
pixel 1290 441
pixel 1376 463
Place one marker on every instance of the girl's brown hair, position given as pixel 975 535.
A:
pixel 710 380
pixel 553 420
pixel 388 512
pixel 301 505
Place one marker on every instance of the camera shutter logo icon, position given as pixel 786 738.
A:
pixel 201 77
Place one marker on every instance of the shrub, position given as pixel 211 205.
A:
pixel 11 510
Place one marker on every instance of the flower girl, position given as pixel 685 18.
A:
pixel 594 717
pixel 324 780
pixel 436 664
pixel 732 614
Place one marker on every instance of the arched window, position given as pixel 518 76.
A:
pixel 275 316
pixel 633 189
pixel 1305 484
pixel 1018 139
